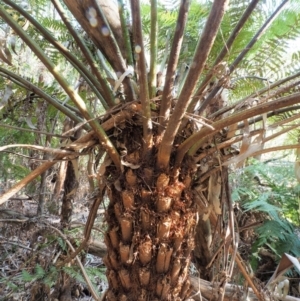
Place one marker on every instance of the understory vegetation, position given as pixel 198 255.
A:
pixel 265 197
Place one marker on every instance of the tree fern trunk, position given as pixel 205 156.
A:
pixel 150 237
pixel 151 221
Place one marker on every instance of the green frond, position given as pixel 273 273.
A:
pixel 166 24
pixel 268 57
pixel 280 237
pixel 244 84
pixel 53 25
pixel 270 190
pixel 261 204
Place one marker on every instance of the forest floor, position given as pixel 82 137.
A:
pixel 30 251
pixel 33 250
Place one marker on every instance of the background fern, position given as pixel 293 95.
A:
pixel 270 189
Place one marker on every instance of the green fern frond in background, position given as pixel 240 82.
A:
pixel 271 59
pixel 271 189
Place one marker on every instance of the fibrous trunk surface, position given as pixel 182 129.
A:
pixel 151 222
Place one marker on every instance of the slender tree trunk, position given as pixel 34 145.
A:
pixel 41 197
pixel 70 188
pixel 41 124
pixel 61 174
pixel 64 283
pixel 58 189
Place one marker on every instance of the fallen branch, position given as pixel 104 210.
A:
pixel 232 292
pixel 85 275
pixel 40 148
